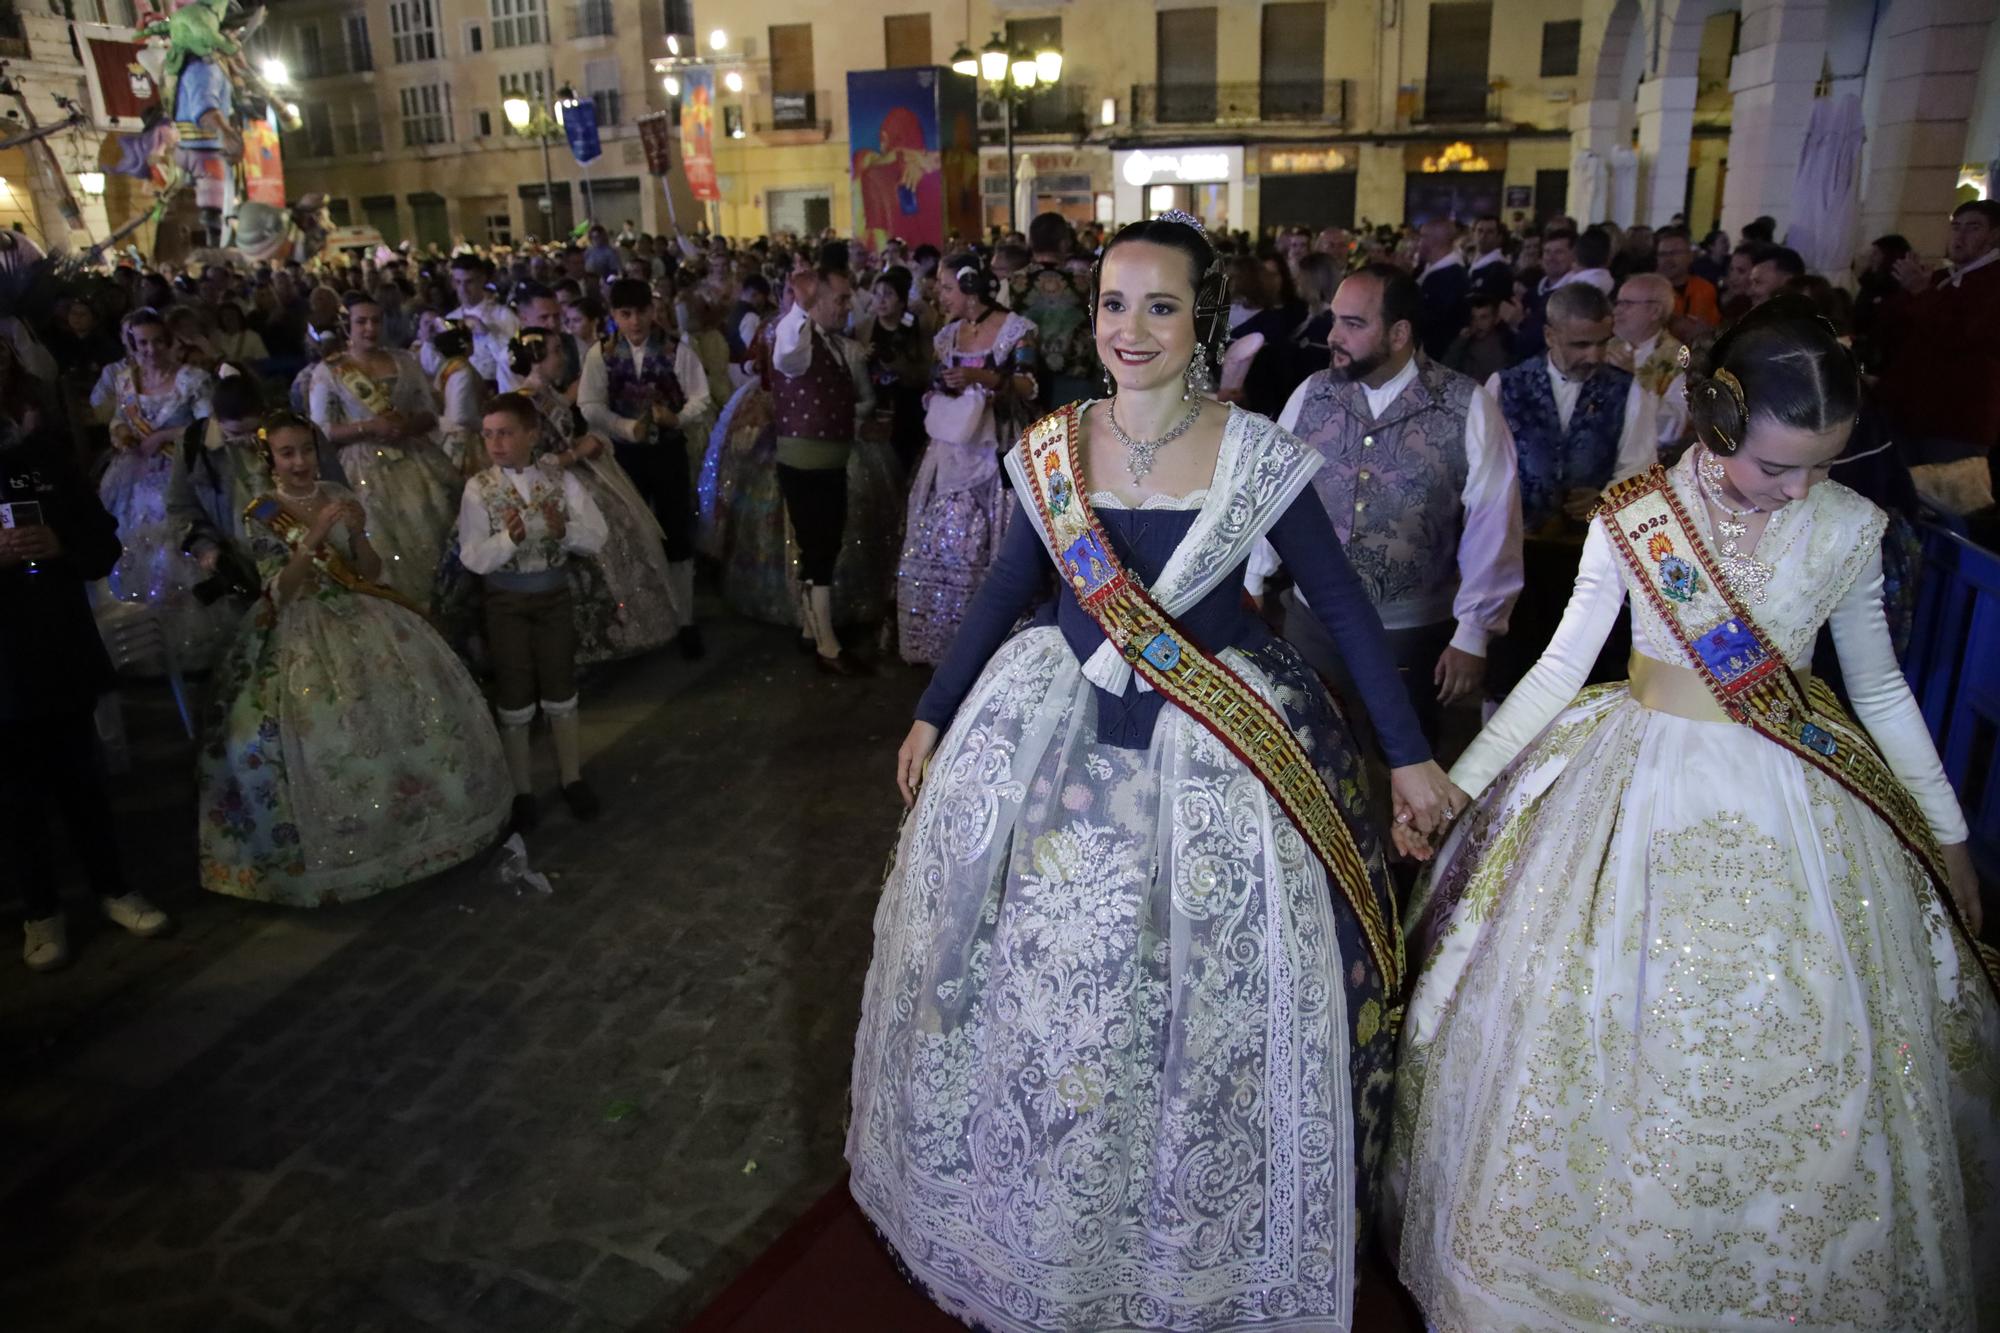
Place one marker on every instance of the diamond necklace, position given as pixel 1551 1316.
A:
pixel 1743 571
pixel 1139 453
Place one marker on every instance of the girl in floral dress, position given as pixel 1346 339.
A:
pixel 983 395
pixel 149 399
pixel 376 405
pixel 347 751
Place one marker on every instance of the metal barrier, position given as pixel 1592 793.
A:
pixel 1953 667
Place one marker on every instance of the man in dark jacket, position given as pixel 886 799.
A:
pixel 54 538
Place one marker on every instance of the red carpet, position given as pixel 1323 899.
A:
pixel 829 1274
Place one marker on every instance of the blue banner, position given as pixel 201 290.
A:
pixel 580 124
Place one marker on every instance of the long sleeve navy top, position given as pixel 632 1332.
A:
pixel 1144 540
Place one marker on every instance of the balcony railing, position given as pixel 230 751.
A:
pixel 1057 110
pixel 592 18
pixel 318 141
pixel 1239 103
pixel 1457 102
pixel 333 62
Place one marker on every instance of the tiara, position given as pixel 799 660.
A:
pixel 1186 219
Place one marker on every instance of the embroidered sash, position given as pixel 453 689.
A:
pixel 291 530
pixel 354 377
pixel 128 404
pixel 1197 682
pixel 1748 675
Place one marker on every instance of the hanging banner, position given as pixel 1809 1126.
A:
pixel 656 136
pixel 698 132
pixel 579 121
pixel 263 163
pixel 121 87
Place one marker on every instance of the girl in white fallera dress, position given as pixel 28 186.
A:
pixel 149 399
pixel 376 405
pixel 1124 1051
pixel 1701 1040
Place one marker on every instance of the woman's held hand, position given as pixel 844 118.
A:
pixel 910 759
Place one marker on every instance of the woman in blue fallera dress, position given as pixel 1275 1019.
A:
pixel 1126 1041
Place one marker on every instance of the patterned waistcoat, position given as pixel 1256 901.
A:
pixel 818 405
pixel 1393 485
pixel 1554 460
pixel 631 376
pixel 542 550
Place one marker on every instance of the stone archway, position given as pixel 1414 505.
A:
pixel 1666 104
pixel 1601 127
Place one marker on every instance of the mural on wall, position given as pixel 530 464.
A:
pixel 916 163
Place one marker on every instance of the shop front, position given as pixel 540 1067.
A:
pixel 1458 181
pixel 1305 187
pixel 1075 182
pixel 1205 180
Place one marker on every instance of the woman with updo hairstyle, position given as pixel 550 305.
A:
pixel 461 394
pixel 982 394
pixel 149 399
pixel 624 605
pixel 378 408
pixel 345 750
pixel 1126 1039
pixel 1701 1038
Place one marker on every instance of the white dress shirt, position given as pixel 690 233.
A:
pixel 1451 259
pixel 482 550
pixel 489 344
pixel 1638 442
pixel 593 393
pixel 1958 274
pixel 1489 542
pixel 1599 278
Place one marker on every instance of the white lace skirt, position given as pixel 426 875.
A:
pixel 1105 1072
pixel 1693 1048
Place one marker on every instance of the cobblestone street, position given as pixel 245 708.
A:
pixel 459 1107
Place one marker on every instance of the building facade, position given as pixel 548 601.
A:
pixel 405 129
pixel 1254 115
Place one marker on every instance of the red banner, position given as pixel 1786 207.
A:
pixel 656 136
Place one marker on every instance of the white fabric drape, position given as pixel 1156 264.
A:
pixel 1825 199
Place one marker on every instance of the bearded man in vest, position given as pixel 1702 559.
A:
pixel 1420 483
pixel 1579 424
pixel 820 393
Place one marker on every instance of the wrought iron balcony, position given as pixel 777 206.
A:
pixel 1155 104
pixel 1456 102
pixel 331 62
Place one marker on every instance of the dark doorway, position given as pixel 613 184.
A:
pixel 1312 200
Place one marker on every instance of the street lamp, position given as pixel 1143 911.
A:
pixel 91 181
pixel 520 113
pixel 1011 76
pixel 275 72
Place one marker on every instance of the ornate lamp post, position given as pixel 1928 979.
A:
pixel 527 118
pixel 1012 76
